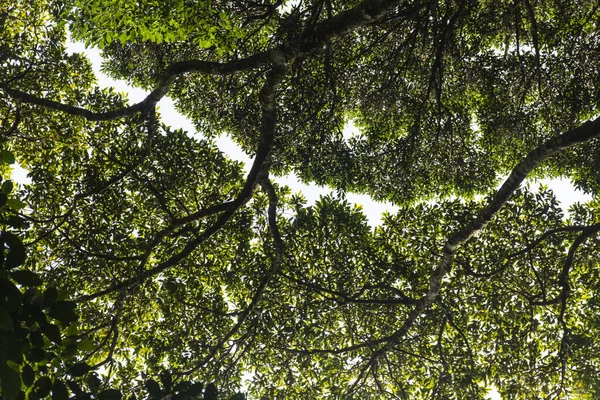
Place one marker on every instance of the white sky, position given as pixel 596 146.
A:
pixel 373 210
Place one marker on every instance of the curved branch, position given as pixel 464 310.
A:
pixel 268 124
pixel 583 133
pixel 262 287
pixel 574 228
pixel 344 298
pixel 564 274
pixel 323 32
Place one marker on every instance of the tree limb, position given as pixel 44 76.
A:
pixel 268 124
pixel 584 132
pixel 321 33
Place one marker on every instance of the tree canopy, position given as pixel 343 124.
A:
pixel 143 262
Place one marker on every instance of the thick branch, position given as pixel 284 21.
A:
pixel 585 132
pixel 323 32
pixel 267 102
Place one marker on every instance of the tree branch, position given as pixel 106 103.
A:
pixel 323 32
pixel 268 124
pixel 584 132
pixel 275 265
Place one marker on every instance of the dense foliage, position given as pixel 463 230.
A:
pixel 141 261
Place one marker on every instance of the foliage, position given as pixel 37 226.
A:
pixel 142 262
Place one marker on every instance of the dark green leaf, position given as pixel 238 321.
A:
pixel 26 278
pixel 3 199
pixel 36 354
pixel 14 346
pixel 10 382
pixel 6 321
pixel 166 380
pixel 35 313
pixel 59 391
pixel 64 311
pixel 7 187
pixel 11 294
pixel 16 255
pixel 15 221
pixel 93 381
pixel 79 369
pixel 110 394
pixel 50 296
pixel 195 389
pixel 75 388
pixel 52 333
pixel 211 393
pixel 7 157
pixel 36 339
pixel 43 386
pixel 27 375
pixel 238 396
pixel 15 204
pixel 153 388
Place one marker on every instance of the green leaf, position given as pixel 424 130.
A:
pixel 211 393
pixel 27 375
pixel 64 311
pixel 238 396
pixel 43 386
pixel 3 199
pixel 153 388
pixel 7 157
pixel 85 345
pixel 79 369
pixel 26 278
pixel 10 382
pixel 7 187
pixel 110 394
pixel 15 204
pixel 59 391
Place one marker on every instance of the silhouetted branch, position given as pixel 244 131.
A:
pixel 268 124
pixel 584 132
pixel 321 33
